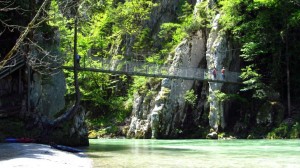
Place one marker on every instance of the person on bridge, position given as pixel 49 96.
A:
pixel 78 59
pixel 223 73
pixel 215 73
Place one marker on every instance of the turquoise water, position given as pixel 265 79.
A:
pixel 129 153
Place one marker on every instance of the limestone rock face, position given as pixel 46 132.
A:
pixel 170 115
pixel 173 114
pixel 168 111
pixel 216 45
pixel 221 53
pixel 47 95
pixel 139 122
pixel 163 13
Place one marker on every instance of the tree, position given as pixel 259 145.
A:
pixel 71 112
pixel 24 34
pixel 267 31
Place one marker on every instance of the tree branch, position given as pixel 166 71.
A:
pixel 23 35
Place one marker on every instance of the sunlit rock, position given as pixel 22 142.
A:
pixel 212 135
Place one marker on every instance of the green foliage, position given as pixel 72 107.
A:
pixel 252 81
pixel 294 19
pixel 139 85
pixel 171 34
pixel 184 11
pixel 264 28
pixel 204 15
pixel 261 26
pixel 190 97
pixel 65 29
pixel 251 50
pixel 285 131
pixel 129 16
pixel 100 95
pixel 232 14
pixel 220 96
pixel 143 41
pixel 119 110
pixel 155 59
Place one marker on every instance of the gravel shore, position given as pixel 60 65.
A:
pixel 23 155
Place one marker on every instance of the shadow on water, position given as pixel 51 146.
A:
pixel 93 156
pixel 107 148
pixel 96 148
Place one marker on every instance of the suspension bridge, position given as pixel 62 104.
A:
pixel 141 68
pixel 136 68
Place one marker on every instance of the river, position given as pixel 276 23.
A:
pixel 132 153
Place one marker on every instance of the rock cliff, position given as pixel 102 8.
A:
pixel 36 92
pixel 169 114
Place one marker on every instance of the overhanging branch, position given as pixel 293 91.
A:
pixel 23 35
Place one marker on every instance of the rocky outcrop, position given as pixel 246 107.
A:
pixel 216 45
pixel 212 135
pixel 47 101
pixel 41 94
pixel 220 54
pixel 141 120
pixel 47 95
pixel 166 116
pixel 164 12
pixel 189 53
pixel 170 115
pixel 72 132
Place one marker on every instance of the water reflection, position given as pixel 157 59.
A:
pixel 194 153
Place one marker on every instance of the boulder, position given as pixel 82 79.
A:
pixel 212 135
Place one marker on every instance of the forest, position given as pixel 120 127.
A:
pixel 264 35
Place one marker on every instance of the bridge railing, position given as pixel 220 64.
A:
pixel 149 69
pixel 13 64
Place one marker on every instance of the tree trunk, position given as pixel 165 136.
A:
pixel 288 82
pixel 76 65
pixel 67 115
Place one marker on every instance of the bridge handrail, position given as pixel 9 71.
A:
pixel 140 67
pixel 11 65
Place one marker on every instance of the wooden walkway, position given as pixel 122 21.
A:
pixel 160 71
pixel 12 65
